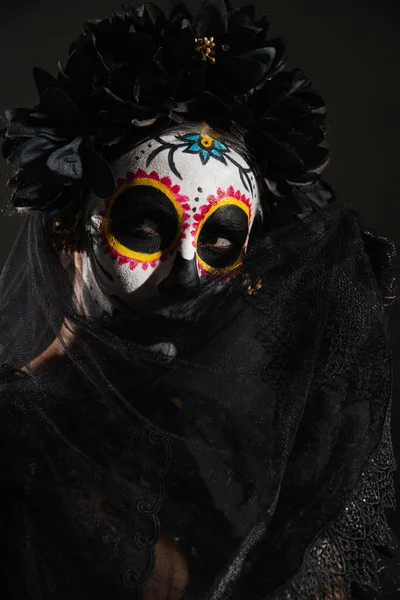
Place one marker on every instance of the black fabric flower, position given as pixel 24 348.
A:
pixel 52 150
pixel 140 69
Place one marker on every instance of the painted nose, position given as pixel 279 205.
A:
pixel 183 279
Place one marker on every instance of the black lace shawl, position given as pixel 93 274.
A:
pixel 257 464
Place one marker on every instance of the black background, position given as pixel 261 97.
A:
pixel 350 49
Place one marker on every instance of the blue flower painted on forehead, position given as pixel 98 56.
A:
pixel 205 146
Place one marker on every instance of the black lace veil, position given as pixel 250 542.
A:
pixel 255 463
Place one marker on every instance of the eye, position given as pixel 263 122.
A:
pixel 217 242
pixel 144 219
pixel 222 236
pixel 146 234
pixel 147 226
pixel 142 222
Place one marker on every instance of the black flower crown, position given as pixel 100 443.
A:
pixel 139 69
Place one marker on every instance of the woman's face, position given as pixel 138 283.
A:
pixel 181 213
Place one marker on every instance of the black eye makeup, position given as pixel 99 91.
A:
pixel 144 220
pixel 148 217
pixel 222 237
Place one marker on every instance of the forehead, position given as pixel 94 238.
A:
pixel 201 163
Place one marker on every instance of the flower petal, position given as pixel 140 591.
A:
pixel 17 114
pixel 43 80
pixel 66 161
pixel 266 56
pixel 212 20
pixel 32 192
pixel 30 150
pixel 20 130
pixel 240 74
pixel 57 200
pixel 99 174
pixel 220 146
pixel 59 106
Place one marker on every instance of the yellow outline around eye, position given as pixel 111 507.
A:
pixel 224 202
pixel 141 256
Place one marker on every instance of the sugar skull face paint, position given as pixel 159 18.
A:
pixel 181 213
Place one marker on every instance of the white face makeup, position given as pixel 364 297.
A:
pixel 181 212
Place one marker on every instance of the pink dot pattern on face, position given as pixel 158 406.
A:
pixel 183 201
pixel 199 218
pixel 212 201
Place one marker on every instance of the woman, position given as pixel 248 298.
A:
pixel 196 375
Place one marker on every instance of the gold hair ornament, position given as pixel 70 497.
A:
pixel 206 47
pixel 253 289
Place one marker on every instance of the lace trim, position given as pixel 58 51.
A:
pixel 343 552
pixel 130 577
pixel 382 253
